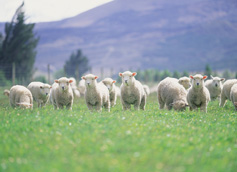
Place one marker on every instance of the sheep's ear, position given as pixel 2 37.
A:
pixel 56 81
pixel 96 77
pixel 204 77
pixel 120 74
pixel 83 77
pixel 222 79
pixel 70 81
pixel 134 74
pixel 211 77
pixel 113 81
pixel 191 76
pixel 41 87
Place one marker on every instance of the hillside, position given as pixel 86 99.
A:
pixel 137 34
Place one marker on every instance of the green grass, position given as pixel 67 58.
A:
pixel 151 140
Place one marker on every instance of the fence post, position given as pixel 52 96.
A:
pixel 49 73
pixel 13 73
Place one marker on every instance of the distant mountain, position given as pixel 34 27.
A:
pixel 139 34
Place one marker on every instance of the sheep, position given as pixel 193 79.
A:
pixel 20 96
pixel 40 92
pixel 117 89
pixel 96 94
pixel 225 93
pixel 146 89
pixel 109 83
pixel 233 95
pixel 6 93
pixel 185 82
pixel 172 95
pixel 198 94
pixel 62 94
pixel 132 91
pixel 82 87
pixel 214 85
pixel 73 84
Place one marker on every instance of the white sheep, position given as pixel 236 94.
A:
pixel 233 95
pixel 61 94
pixel 6 93
pixel 185 82
pixel 214 85
pixel 118 91
pixel 76 92
pixel 40 92
pixel 20 96
pixel 96 94
pixel 225 93
pixel 146 89
pixel 171 94
pixel 132 92
pixel 82 87
pixel 109 83
pixel 198 94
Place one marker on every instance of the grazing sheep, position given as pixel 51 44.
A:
pixel 214 85
pixel 82 87
pixel 233 95
pixel 96 94
pixel 40 92
pixel 109 83
pixel 20 96
pixel 225 93
pixel 146 89
pixel 6 93
pixel 172 94
pixel 62 94
pixel 132 91
pixel 198 94
pixel 185 82
pixel 76 93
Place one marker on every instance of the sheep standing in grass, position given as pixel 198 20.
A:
pixel 185 82
pixel 62 94
pixel 109 83
pixel 20 96
pixel 172 94
pixel 198 94
pixel 225 93
pixel 132 92
pixel 96 94
pixel 76 93
pixel 40 92
pixel 233 95
pixel 146 89
pixel 214 86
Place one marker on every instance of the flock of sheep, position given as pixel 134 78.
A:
pixel 173 93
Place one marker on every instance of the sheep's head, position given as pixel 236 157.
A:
pixel 45 89
pixel 64 83
pixel 109 83
pixel 90 80
pixel 216 81
pixel 128 77
pixel 198 80
pixel 179 105
pixel 185 82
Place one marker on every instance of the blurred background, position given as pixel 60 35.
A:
pixel 156 38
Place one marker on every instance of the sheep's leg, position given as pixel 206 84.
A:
pixel 69 106
pixel 137 105
pixel 143 103
pixel 223 99
pixel 98 106
pixel 112 103
pixel 126 106
pixel 204 107
pixel 89 106
pixel 107 105
pixel 161 104
pixel 60 106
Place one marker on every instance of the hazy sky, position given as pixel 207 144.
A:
pixel 47 10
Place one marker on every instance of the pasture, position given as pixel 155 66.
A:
pixel 151 140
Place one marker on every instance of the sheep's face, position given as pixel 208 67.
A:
pixel 128 78
pixel 64 83
pixel 217 82
pixel 90 80
pixel 198 80
pixel 109 83
pixel 179 105
pixel 185 82
pixel 45 89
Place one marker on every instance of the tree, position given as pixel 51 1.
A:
pixel 18 47
pixel 176 74
pixel 185 73
pixel 157 76
pixel 165 74
pixel 77 65
pixel 226 74
pixel 208 71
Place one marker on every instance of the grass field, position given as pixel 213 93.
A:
pixel 151 140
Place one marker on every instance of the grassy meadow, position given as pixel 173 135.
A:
pixel 144 141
